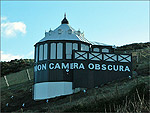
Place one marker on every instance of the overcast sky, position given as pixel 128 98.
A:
pixel 111 22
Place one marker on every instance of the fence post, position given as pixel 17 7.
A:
pixel 117 93
pixel 28 74
pixel 6 81
pixel 70 98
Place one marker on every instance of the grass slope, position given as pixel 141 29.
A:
pixel 17 78
pixel 115 96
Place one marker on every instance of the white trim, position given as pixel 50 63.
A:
pixel 47 90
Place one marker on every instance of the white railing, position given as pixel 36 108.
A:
pixel 95 56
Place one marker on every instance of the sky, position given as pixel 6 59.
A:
pixel 23 23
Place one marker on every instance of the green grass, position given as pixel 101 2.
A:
pixel 99 99
pixel 17 78
pixel 115 101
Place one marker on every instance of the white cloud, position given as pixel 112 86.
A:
pixel 30 55
pixel 3 18
pixel 11 29
pixel 9 57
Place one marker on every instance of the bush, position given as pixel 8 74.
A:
pixel 15 66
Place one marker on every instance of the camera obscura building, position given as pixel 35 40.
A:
pixel 65 60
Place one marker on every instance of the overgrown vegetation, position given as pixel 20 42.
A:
pixel 134 46
pixel 140 56
pixel 137 100
pixel 15 66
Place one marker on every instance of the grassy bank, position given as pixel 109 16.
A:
pixel 130 95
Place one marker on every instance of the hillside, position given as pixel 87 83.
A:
pixel 134 46
pixel 126 95
pixel 118 96
pixel 16 65
pixel 140 56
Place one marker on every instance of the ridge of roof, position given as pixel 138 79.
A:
pixel 62 33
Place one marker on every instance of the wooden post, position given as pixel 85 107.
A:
pixel 137 80
pixel 137 58
pixel 70 99
pixel 28 75
pixel 6 81
pixel 117 90
pixel 140 55
pixel 21 110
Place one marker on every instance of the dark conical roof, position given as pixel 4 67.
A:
pixel 64 21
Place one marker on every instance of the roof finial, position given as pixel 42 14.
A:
pixel 65 15
pixel 50 30
pixel 64 21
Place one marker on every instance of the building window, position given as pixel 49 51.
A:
pixel 59 31
pixel 68 50
pixel 53 51
pixel 41 52
pixel 75 46
pixel 45 51
pixel 36 56
pixel 84 47
pixel 105 50
pixel 96 49
pixel 59 50
pixel 69 31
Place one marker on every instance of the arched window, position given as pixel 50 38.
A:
pixel 59 50
pixel 75 46
pixel 41 52
pixel 84 47
pixel 96 49
pixel 36 56
pixel 45 51
pixel 105 50
pixel 68 50
pixel 53 51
